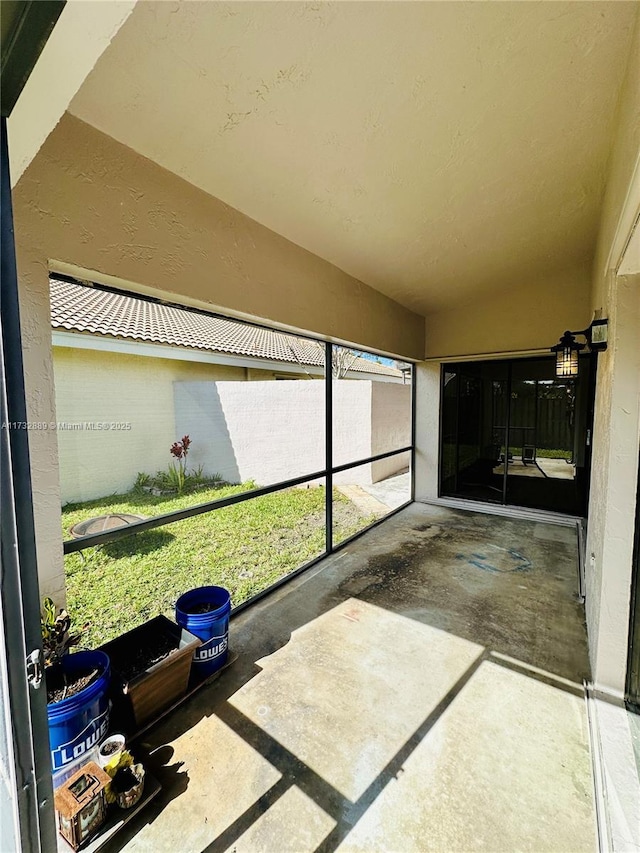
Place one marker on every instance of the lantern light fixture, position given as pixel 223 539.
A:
pixel 568 349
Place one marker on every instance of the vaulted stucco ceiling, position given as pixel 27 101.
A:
pixel 432 150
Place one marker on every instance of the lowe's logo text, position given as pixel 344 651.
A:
pixel 214 647
pixel 93 734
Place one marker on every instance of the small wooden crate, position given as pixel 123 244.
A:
pixel 141 699
pixel 81 804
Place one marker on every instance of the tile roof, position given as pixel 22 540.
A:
pixel 78 308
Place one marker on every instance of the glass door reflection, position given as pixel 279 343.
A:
pixel 544 441
pixel 513 433
pixel 474 406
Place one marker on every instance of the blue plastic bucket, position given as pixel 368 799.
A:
pixel 79 723
pixel 212 628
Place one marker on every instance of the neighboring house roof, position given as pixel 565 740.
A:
pixel 78 308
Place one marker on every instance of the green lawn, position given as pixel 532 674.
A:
pixel 244 548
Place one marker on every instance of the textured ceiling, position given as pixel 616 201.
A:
pixel 429 149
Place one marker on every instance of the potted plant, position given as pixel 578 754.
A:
pixel 109 748
pixel 127 780
pixel 150 671
pixel 205 612
pixel 77 686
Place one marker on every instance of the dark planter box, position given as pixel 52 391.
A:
pixel 137 701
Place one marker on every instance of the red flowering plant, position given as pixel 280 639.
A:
pixel 177 470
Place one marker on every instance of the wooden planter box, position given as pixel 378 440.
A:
pixel 139 700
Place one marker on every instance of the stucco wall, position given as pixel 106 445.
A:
pixel 114 388
pixel 624 161
pixel 89 203
pixel 427 430
pixel 529 315
pixel 613 496
pixel 266 431
pixel 269 431
pixel 390 426
pixel 260 429
pixel 616 433
pixel 352 427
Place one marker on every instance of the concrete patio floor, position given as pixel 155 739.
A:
pixel 419 690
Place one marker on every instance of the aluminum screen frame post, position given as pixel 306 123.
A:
pixel 328 446
pixel 20 591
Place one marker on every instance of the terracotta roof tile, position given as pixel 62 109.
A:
pixel 89 309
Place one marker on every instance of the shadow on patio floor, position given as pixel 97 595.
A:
pixel 419 690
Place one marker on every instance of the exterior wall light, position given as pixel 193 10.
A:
pixel 567 349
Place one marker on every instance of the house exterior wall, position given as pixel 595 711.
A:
pixel 617 410
pixel 613 490
pixel 530 315
pixel 427 430
pixel 87 203
pixel 525 319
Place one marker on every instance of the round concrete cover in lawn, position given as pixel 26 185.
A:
pixel 104 522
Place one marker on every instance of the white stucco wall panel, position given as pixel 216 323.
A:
pixel 41 408
pixel 352 430
pixel 272 431
pixel 613 493
pixel 262 431
pixel 427 429
pixel 390 426
pixel 114 388
pixel 612 504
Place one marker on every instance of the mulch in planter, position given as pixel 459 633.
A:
pixel 61 685
pixel 151 651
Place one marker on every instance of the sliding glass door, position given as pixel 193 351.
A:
pixel 474 429
pixel 512 433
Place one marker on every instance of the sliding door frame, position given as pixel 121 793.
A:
pixel 588 374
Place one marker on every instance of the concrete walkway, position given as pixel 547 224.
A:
pixel 418 691
pixel 392 492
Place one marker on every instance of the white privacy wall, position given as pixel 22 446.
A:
pixel 272 431
pixel 133 396
pixel 263 430
pixel 390 426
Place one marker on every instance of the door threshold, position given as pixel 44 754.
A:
pixel 519 512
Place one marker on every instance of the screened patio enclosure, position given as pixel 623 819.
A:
pixel 413 202
pixel 512 433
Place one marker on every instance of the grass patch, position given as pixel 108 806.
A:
pixel 245 548
pixel 545 453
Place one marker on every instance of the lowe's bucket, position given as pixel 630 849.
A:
pixel 211 627
pixel 78 724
